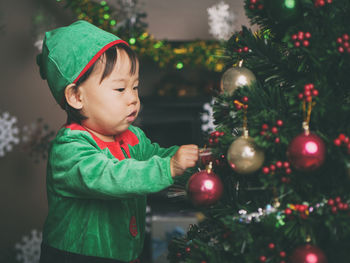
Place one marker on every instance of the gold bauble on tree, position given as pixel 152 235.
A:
pixel 236 77
pixel 244 156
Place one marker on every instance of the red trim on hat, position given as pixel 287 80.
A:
pixel 98 54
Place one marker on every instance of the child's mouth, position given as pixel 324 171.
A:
pixel 132 116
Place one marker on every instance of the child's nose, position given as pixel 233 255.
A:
pixel 132 97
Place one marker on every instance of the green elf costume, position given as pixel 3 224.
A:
pixel 96 190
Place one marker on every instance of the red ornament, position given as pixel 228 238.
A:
pixel 205 156
pixel 204 188
pixel 308 254
pixel 306 152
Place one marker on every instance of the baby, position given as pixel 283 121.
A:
pixel 100 167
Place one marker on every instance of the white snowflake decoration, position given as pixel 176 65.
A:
pixel 208 118
pixel 29 248
pixel 221 21
pixel 8 133
pixel 39 44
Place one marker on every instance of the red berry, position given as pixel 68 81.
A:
pixel 282 261
pixel 245 99
pixel 315 92
pixel 274 130
pixel 253 1
pixel 271 246
pixel 294 37
pixel 279 122
pixel 346 37
pixel 217 133
pixel 279 164
pixel 251 7
pixel 348 50
pixel 308 99
pixel 265 126
pixel 340 206
pixel 288 171
pixel 272 167
pixel 306 43
pixel 245 107
pixel 216 140
pixel 321 3
pixel 246 49
pixel 300 96
pixel 334 209
pixel 346 206
pixel 302 208
pixel 297 44
pixel 307 34
pixel 329 1
pixel 262 133
pixel 300 35
pixel 346 140
pixel 210 140
pixel 282 254
pixel 262 259
pixel 342 137
pixel 188 249
pixel 307 93
pixel 288 211
pixel 284 179
pixel 240 50
pixel 330 202
pixel 337 199
pixel 337 142
pixel 286 164
pixel 178 254
pixel 260 7
pixel 346 44
pixel 341 49
pixel 238 107
pixel 266 170
pixel 339 40
pixel 277 140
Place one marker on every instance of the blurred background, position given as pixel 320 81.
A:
pixel 174 98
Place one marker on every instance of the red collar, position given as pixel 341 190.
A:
pixel 122 141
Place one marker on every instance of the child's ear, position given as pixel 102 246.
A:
pixel 73 96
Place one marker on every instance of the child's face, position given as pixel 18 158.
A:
pixel 112 105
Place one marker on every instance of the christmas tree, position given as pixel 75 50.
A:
pixel 277 185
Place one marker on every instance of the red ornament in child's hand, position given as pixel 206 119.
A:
pixel 204 188
pixel 205 156
pixel 308 254
pixel 306 152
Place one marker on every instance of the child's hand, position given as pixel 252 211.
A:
pixel 185 157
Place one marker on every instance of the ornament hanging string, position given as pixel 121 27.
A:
pixel 245 121
pixel 307 114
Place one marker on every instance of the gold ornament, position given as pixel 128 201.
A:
pixel 236 77
pixel 244 156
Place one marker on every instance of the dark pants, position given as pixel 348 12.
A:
pixel 53 255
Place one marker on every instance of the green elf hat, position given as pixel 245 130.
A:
pixel 68 52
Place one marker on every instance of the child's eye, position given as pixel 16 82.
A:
pixel 135 88
pixel 120 90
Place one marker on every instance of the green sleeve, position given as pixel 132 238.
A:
pixel 78 169
pixel 150 149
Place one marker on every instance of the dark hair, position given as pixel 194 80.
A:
pixel 74 115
